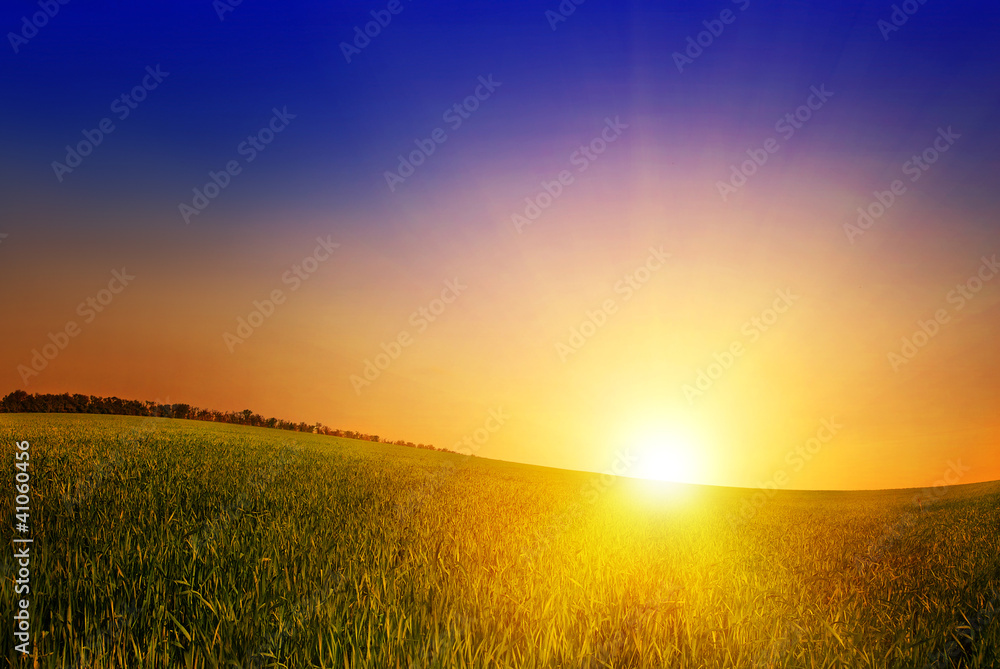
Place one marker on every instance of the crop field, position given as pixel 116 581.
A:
pixel 171 543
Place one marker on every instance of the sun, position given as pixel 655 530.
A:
pixel 668 454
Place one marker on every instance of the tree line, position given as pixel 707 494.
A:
pixel 20 401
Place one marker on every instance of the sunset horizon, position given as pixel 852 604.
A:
pixel 662 236
pixel 496 335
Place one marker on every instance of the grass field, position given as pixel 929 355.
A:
pixel 162 543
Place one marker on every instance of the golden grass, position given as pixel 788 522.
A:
pixel 162 543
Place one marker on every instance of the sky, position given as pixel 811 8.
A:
pixel 741 243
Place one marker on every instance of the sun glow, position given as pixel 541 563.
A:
pixel 668 454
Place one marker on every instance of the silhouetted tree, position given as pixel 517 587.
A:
pixel 20 401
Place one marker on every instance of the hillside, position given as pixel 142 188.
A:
pixel 162 542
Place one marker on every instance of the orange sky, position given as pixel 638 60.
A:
pixel 495 346
pixel 721 332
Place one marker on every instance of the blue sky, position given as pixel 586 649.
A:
pixel 892 92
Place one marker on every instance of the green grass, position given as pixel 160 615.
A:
pixel 163 543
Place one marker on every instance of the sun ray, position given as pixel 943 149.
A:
pixel 668 454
